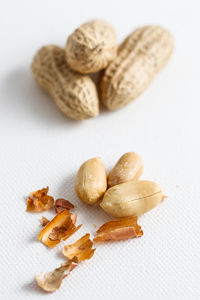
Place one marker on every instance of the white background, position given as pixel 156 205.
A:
pixel 39 146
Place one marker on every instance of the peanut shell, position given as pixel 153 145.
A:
pixel 91 47
pixel 73 93
pixel 140 57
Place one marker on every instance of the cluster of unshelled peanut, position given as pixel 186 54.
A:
pixel 127 69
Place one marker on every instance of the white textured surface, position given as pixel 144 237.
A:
pixel 40 147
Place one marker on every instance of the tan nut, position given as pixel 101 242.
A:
pixel 128 168
pixel 91 47
pixel 74 94
pixel 91 181
pixel 131 198
pixel 140 57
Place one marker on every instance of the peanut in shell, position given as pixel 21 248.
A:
pixel 75 94
pixel 140 57
pixel 91 47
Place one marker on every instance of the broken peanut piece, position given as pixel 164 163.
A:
pixel 44 221
pixel 123 229
pixel 63 204
pixel 59 228
pixel 82 249
pixel 51 281
pixel 39 201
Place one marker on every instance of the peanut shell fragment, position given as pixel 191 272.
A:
pixel 117 230
pixel 59 228
pixel 44 221
pixel 132 198
pixel 39 201
pixel 81 249
pixel 52 281
pixel 61 204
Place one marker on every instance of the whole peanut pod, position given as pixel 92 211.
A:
pixel 74 94
pixel 91 47
pixel 91 181
pixel 140 57
pixel 131 198
pixel 128 168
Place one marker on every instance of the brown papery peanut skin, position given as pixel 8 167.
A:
pixel 128 168
pixel 91 181
pixel 73 93
pixel 91 47
pixel 140 57
pixel 132 198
